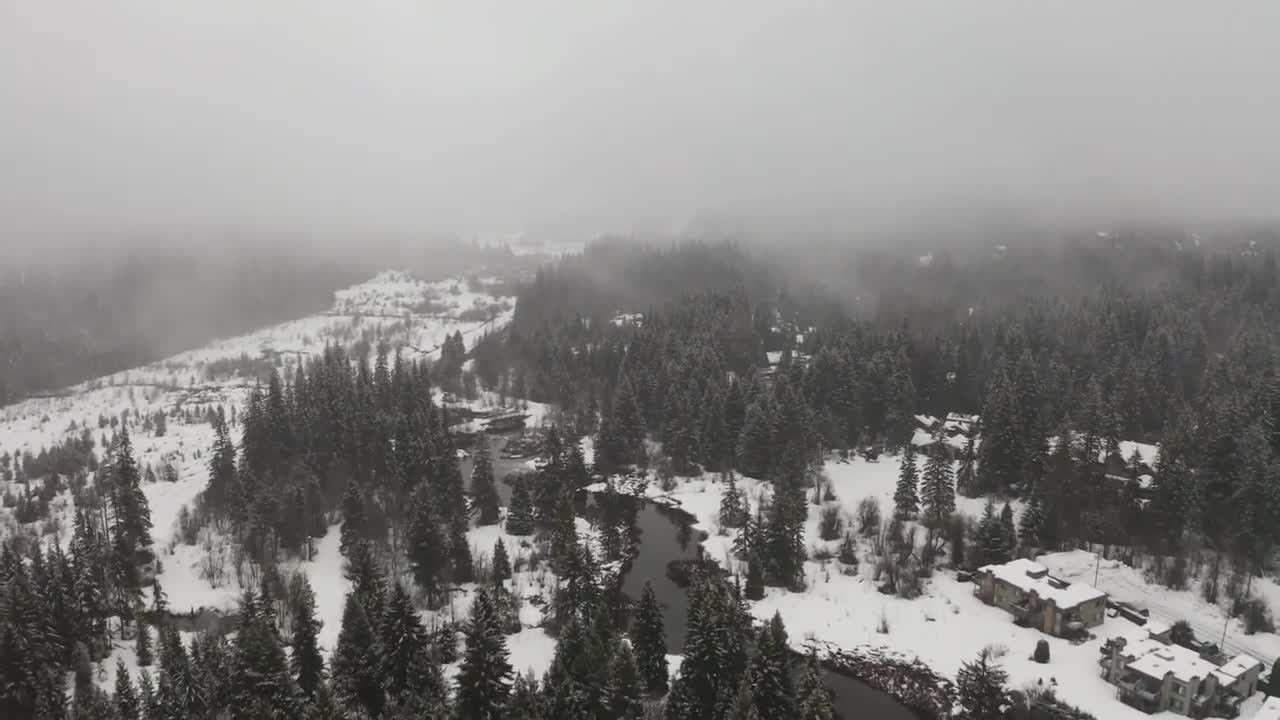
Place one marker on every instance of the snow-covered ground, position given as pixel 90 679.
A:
pixel 947 625
pixel 394 308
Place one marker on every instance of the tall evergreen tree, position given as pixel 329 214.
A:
pixel 484 677
pixel 769 674
pixel 142 645
pixel 992 547
pixel 306 661
pixel 426 543
pixel 649 639
pixel 354 522
pixel 906 500
pixel 1008 530
pixel 484 494
pixel 520 514
pixel 980 688
pixel 938 494
pixel 126 700
pixel 624 696
pixel 406 659
pixel 356 663
pixel 501 563
pixel 813 700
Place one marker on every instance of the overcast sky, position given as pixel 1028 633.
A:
pixel 485 116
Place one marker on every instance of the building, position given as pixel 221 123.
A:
pixel 1154 675
pixel 1024 589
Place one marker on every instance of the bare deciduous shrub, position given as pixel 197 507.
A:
pixel 831 526
pixel 869 516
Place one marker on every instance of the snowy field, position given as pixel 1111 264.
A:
pixel 947 625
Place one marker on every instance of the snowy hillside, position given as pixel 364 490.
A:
pixel 393 308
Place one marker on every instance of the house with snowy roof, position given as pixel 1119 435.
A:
pixel 1025 590
pixel 1153 674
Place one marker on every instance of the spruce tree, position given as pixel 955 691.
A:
pixel 501 563
pixel 733 512
pixel 527 701
pixel 306 661
pixel 980 688
pixel 260 683
pixel 649 640
pixel 126 700
pixel 769 674
pixel 1031 523
pixel 754 589
pixel 939 494
pixel 356 663
pixel 406 661
pixel 425 544
pixel 1008 530
pixel 906 500
pixel 484 494
pixel 965 482
pixel 624 696
pixel 1273 680
pixel 460 561
pixel 755 442
pixel 484 677
pixel 142 646
pixel 147 697
pixel 813 700
pixel 520 514
pixel 991 538
pixel 354 522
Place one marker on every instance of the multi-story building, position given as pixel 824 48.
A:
pixel 1025 589
pixel 1154 675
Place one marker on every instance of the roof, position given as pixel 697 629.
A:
pixel 1270 710
pixel 1155 627
pixel 1159 660
pixel 1019 574
pixel 1237 666
pixel 774 356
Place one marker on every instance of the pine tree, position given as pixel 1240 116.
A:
pixel 356 663
pixel 406 662
pixel 127 704
pixel 367 581
pixel 131 517
pixel 484 676
pixel 461 564
pixel 624 696
pixel 260 683
pixel 991 538
pixel 527 701
pixel 501 563
pixel 520 514
pixel 754 589
pixel 147 697
pixel 813 700
pixel 649 639
pixel 484 494
pixel 306 661
pixel 939 495
pixel 354 522
pixel 1273 680
pixel 1008 530
pixel 980 688
pixel 755 442
pixel 965 481
pixel 906 501
pixel 769 675
pixel 733 512
pixel 425 543
pixel 1031 523
pixel 142 646
pixel 222 469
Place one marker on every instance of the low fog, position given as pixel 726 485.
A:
pixel 473 117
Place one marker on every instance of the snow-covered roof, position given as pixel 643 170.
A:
pixel 1237 666
pixel 1030 576
pixel 1270 710
pixel 1155 660
pixel 927 421
pixel 1155 627
pixel 774 356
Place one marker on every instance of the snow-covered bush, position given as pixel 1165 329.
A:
pixel 1042 652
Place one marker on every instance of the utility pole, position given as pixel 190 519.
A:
pixel 1097 568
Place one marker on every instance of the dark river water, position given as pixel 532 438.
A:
pixel 666 535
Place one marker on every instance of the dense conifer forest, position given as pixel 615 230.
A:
pixel 686 359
